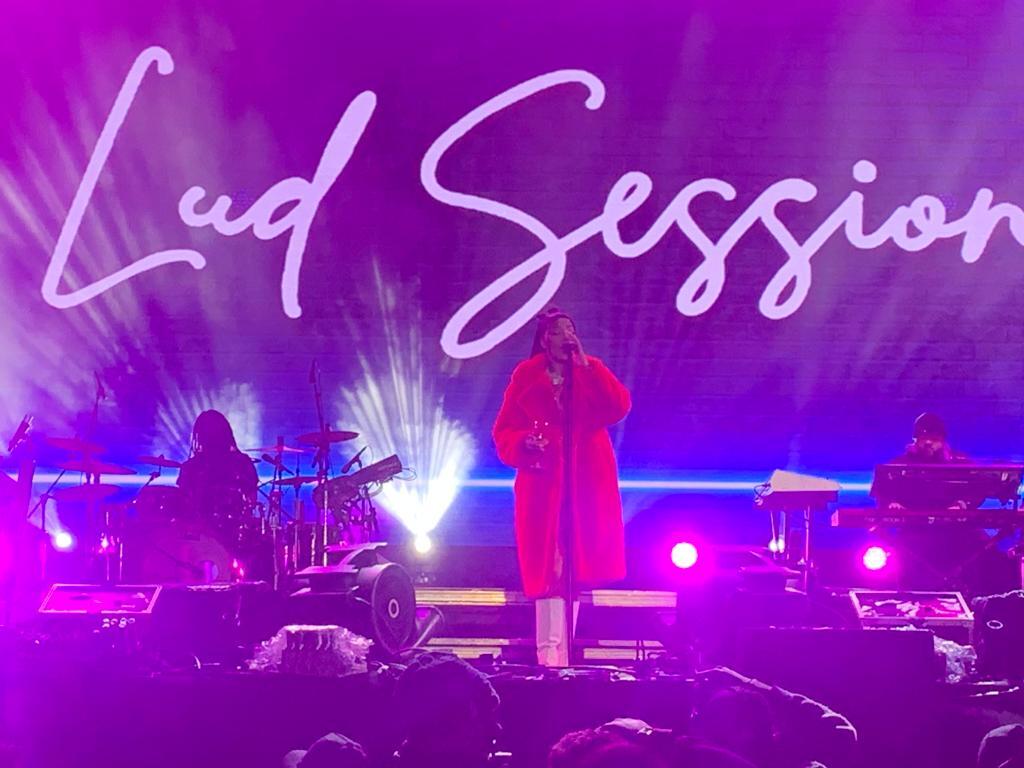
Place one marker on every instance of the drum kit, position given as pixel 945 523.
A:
pixel 155 537
pixel 160 536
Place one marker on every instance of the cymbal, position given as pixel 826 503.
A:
pixel 321 439
pixel 276 449
pixel 91 467
pixel 74 444
pixel 296 481
pixel 159 461
pixel 86 492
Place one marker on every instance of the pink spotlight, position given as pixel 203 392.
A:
pixel 875 558
pixel 63 541
pixel 684 555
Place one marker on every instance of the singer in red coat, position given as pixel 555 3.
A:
pixel 528 434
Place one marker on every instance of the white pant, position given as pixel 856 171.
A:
pixel 552 645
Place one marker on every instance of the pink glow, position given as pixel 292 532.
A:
pixel 875 558
pixel 684 555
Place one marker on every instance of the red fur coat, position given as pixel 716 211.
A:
pixel 599 400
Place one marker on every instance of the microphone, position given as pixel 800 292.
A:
pixel 101 393
pixel 20 433
pixel 313 371
pixel 569 346
pixel 352 462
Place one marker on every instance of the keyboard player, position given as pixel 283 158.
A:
pixel 959 557
pixel 930 445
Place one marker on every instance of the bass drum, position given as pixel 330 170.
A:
pixel 177 552
pixel 165 546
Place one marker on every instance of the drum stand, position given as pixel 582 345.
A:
pixel 362 518
pixel 272 520
pixel 111 545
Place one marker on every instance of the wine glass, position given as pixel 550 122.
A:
pixel 540 441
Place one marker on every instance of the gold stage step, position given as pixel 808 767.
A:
pixel 593 650
pixel 616 625
pixel 602 598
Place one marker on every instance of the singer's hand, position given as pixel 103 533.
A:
pixel 578 356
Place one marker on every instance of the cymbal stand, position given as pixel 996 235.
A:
pixel 111 546
pixel 152 476
pixel 44 499
pixel 322 462
pixel 274 511
pixel 367 514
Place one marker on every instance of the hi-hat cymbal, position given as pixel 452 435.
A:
pixel 321 439
pixel 160 461
pixel 86 492
pixel 74 444
pixel 91 467
pixel 296 481
pixel 280 448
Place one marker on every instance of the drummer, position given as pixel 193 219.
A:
pixel 218 481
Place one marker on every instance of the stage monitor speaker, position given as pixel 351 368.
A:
pixel 364 592
pixel 179 623
pixel 944 613
pixel 96 600
pixel 999 635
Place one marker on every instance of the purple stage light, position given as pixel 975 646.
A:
pixel 875 558
pixel 684 555
pixel 63 541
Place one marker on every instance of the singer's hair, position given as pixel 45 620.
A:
pixel 545 320
pixel 212 434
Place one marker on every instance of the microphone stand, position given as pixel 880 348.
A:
pixel 567 521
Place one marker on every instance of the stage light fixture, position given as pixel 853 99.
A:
pixel 684 555
pixel 396 409
pixel 875 558
pixel 63 541
pixel 422 544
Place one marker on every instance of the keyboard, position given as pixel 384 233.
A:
pixel 870 517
